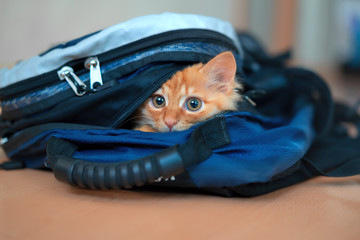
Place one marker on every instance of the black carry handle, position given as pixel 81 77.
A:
pixel 115 175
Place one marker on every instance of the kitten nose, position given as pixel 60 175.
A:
pixel 170 122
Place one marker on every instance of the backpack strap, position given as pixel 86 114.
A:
pixel 336 154
pixel 347 168
pixel 164 164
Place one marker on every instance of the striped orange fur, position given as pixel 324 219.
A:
pixel 192 95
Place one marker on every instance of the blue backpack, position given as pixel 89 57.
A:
pixel 67 109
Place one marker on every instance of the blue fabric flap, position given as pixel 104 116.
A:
pixel 261 147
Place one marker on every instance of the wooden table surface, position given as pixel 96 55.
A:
pixel 34 205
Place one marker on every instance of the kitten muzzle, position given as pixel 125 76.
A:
pixel 170 123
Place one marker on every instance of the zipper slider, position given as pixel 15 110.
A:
pixel 67 73
pixel 3 141
pixel 93 64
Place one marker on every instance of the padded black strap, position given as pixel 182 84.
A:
pixel 306 169
pixel 164 164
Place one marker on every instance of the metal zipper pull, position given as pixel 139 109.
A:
pixel 247 98
pixel 3 141
pixel 93 65
pixel 67 73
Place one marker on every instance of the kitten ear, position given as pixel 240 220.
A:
pixel 220 72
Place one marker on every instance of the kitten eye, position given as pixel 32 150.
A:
pixel 193 104
pixel 158 101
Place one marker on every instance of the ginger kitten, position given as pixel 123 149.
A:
pixel 192 95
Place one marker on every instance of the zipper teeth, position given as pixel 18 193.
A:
pixel 31 86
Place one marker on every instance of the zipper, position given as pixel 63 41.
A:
pixel 67 73
pixel 177 36
pixel 79 87
pixel 93 64
pixel 78 77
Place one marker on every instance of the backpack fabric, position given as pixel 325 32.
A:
pixel 75 121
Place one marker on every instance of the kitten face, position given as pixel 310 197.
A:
pixel 192 95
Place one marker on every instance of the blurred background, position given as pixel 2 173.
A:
pixel 321 33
